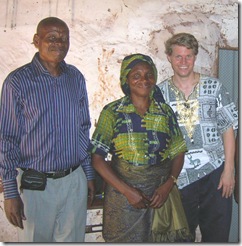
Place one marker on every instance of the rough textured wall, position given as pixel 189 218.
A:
pixel 102 32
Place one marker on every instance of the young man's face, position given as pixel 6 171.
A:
pixel 182 60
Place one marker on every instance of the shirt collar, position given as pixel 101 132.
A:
pixel 126 106
pixel 39 69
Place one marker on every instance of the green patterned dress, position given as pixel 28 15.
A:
pixel 141 149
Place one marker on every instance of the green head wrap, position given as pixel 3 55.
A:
pixel 128 63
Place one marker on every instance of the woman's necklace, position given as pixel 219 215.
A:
pixel 187 109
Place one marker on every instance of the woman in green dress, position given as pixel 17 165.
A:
pixel 140 131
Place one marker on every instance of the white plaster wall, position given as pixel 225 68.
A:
pixel 102 32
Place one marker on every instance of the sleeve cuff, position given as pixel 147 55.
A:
pixel 10 188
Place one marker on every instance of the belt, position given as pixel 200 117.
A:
pixel 58 174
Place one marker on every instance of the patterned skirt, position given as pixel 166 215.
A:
pixel 123 223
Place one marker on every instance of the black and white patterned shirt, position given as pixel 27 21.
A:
pixel 216 113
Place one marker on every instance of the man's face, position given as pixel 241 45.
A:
pixel 52 41
pixel 182 60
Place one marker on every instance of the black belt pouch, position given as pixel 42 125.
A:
pixel 33 180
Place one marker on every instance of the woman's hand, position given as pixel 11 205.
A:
pixel 161 194
pixel 134 196
pixel 137 198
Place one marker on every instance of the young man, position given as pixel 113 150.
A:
pixel 207 118
pixel 44 135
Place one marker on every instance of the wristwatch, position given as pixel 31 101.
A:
pixel 174 179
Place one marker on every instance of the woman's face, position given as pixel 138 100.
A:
pixel 141 79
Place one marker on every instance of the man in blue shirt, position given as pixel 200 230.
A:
pixel 44 127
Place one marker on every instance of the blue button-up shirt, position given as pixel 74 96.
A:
pixel 44 122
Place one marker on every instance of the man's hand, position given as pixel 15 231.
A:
pixel 14 209
pixel 1 186
pixel 236 188
pixel 227 183
pixel 91 192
